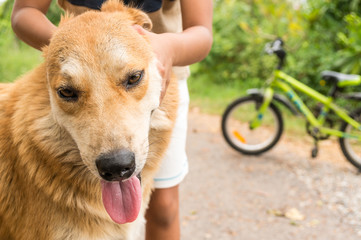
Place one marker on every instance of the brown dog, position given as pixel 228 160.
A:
pixel 81 135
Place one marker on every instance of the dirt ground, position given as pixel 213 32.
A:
pixel 282 194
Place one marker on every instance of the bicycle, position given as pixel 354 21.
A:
pixel 253 124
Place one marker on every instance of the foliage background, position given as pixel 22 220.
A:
pixel 16 58
pixel 319 35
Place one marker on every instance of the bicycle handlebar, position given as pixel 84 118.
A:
pixel 276 47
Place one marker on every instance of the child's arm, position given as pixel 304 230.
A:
pixel 30 23
pixel 189 46
pixel 196 40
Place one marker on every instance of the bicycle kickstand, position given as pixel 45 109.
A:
pixel 314 151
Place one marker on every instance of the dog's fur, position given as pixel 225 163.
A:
pixel 49 184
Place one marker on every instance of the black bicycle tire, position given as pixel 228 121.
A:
pixel 355 113
pixel 233 105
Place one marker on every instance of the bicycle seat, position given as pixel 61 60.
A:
pixel 341 79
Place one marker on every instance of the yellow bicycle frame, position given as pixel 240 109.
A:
pixel 284 82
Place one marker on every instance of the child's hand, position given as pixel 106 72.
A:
pixel 162 47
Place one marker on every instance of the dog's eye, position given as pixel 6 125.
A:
pixel 68 94
pixel 134 78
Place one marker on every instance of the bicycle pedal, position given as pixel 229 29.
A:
pixel 314 152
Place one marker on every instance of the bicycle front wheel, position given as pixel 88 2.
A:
pixel 351 146
pixel 237 130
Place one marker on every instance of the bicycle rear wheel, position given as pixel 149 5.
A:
pixel 238 133
pixel 351 147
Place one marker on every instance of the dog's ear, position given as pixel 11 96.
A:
pixel 141 18
pixel 112 6
pixel 136 15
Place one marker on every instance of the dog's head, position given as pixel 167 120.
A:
pixel 104 85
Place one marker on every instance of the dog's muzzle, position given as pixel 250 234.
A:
pixel 116 165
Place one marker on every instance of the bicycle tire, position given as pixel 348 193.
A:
pixel 249 149
pixel 348 148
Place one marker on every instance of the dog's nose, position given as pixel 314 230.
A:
pixel 117 165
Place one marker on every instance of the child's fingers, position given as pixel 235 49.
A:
pixel 139 29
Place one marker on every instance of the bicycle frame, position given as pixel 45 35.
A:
pixel 285 82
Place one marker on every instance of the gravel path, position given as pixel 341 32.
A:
pixel 282 194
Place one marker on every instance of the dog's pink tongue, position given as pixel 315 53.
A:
pixel 122 200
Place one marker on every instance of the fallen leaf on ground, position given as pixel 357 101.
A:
pixel 294 214
pixel 275 212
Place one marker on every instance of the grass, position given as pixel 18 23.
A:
pixel 16 58
pixel 214 98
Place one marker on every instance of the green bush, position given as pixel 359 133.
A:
pixel 313 38
pixel 350 54
pixel 241 29
pixel 18 58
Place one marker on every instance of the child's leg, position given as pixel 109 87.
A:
pixel 163 215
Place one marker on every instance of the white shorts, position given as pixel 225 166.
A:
pixel 174 166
